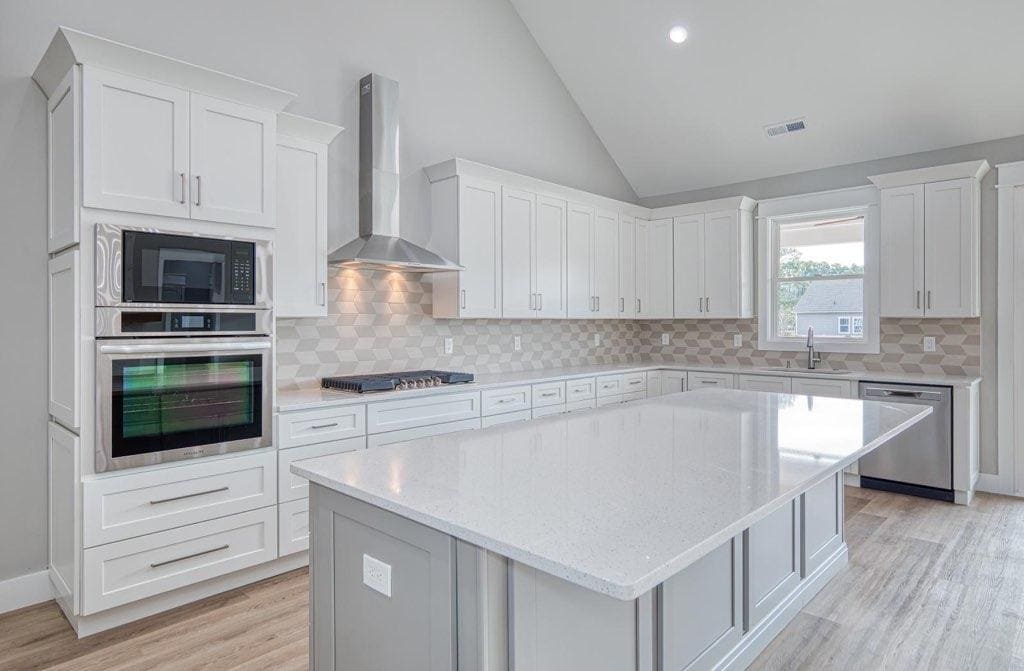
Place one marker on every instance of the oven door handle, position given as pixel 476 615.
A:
pixel 185 347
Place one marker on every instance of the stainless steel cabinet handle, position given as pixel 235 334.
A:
pixel 191 556
pixel 183 188
pixel 598 303
pixel 324 426
pixel 700 304
pixel 531 302
pixel 917 301
pixel 707 304
pixel 708 382
pixel 157 502
pixel 462 294
pixel 549 394
pixel 322 291
pixel 622 304
pixel 540 301
pixel 593 304
pixel 929 306
pixel 636 382
pixel 199 191
pixel 638 306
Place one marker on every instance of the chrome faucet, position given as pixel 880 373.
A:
pixel 812 358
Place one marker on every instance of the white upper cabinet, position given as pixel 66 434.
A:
pixel 579 254
pixel 300 241
pixel 930 241
pixel 232 162
pixel 712 273
pixel 628 265
pixel 518 228
pixel 549 257
pixel 471 208
pixel 135 144
pixel 902 251
pixel 65 371
pixel 63 165
pixel 605 263
pixel 654 251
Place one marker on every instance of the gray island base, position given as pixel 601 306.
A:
pixel 681 532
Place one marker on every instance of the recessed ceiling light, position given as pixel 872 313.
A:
pixel 677 34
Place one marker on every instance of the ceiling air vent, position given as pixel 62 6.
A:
pixel 785 127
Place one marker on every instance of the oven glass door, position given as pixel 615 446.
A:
pixel 164 268
pixel 166 403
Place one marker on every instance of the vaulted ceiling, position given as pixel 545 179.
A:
pixel 874 78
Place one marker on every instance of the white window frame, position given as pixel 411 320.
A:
pixel 858 201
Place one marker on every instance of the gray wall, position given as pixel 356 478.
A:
pixel 473 84
pixel 996 151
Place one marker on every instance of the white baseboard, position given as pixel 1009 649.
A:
pixel 24 590
pixel 993 484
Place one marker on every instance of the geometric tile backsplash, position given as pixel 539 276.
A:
pixel 380 321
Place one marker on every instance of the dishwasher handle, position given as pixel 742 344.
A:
pixel 917 395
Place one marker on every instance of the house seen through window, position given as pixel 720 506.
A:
pixel 819 278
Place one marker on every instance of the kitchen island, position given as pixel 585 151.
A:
pixel 683 531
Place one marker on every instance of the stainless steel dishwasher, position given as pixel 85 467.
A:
pixel 919 461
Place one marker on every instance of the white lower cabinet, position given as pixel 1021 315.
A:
pixel 293 526
pixel 576 406
pixel 291 486
pixel 708 380
pixel 118 573
pixel 673 381
pixel 609 385
pixel 421 411
pixel 634 396
pixel 771 561
pixel 507 418
pixel 581 389
pixel 822 387
pixel 634 382
pixel 654 381
pixel 505 400
pixel 392 437
pixel 777 384
pixel 548 393
pixel 602 401
pixel 122 506
pixel 320 425
pixel 548 410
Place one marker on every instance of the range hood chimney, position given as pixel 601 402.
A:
pixel 380 244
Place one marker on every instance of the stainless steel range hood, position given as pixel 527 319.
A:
pixel 380 244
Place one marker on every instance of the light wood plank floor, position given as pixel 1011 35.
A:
pixel 929 586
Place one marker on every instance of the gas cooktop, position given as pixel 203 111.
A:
pixel 410 379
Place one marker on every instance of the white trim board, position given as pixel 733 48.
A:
pixel 24 590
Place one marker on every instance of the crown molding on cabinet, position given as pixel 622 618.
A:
pixel 70 47
pixel 742 203
pixel 1010 174
pixel 940 173
pixel 293 125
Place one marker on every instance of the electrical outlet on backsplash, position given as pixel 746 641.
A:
pixel 381 321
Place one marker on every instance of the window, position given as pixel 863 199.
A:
pixel 818 271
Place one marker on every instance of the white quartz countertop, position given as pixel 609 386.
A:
pixel 620 498
pixel 308 398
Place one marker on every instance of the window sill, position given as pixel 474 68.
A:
pixel 820 345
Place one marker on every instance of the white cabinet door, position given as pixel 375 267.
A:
pixel 673 381
pixel 579 251
pixel 550 257
pixel 232 162
pixel 627 268
pixel 65 376
pixel 821 387
pixel 659 271
pixel 950 249
pixel 699 380
pixel 518 219
pixel 688 266
pixel 779 385
pixel 63 164
pixel 300 243
pixel 135 144
pixel 721 267
pixel 479 248
pixel 902 251
pixel 642 274
pixel 605 266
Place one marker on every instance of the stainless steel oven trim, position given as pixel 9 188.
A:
pixel 109 257
pixel 108 323
pixel 109 351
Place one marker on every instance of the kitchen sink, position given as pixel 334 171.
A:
pixel 798 371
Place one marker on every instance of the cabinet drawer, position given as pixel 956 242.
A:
pixel 136 568
pixel 391 437
pixel 608 400
pixel 292 486
pixel 306 427
pixel 634 396
pixel 423 411
pixel 634 382
pixel 548 393
pixel 548 410
pixel 292 526
pixel 140 503
pixel 507 418
pixel 506 399
pixel 816 387
pixel 609 385
pixel 577 390
pixel 585 404
pixel 704 380
pixel 781 385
